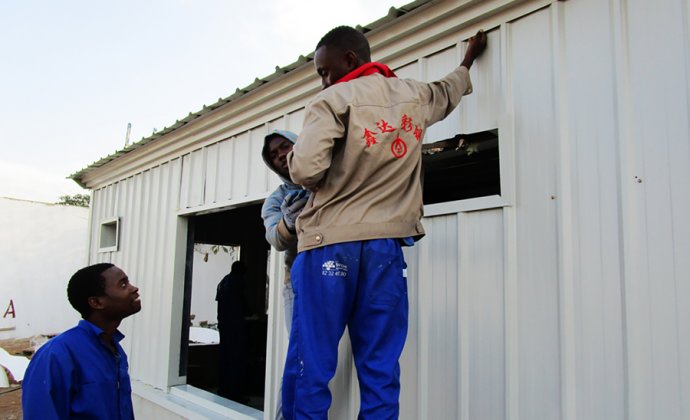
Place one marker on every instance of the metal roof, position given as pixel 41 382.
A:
pixel 393 14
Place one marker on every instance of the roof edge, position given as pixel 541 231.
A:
pixel 393 14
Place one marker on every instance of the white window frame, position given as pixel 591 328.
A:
pixel 106 224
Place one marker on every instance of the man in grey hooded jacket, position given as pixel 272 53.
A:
pixel 281 208
pixel 279 212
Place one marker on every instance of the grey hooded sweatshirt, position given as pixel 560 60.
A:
pixel 277 233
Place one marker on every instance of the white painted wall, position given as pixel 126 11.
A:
pixel 41 246
pixel 206 275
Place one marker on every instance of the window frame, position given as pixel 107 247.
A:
pixel 106 224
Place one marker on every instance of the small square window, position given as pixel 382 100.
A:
pixel 109 235
pixel 465 166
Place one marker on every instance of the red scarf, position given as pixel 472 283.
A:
pixel 366 70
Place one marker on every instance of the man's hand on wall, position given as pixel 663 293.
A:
pixel 475 48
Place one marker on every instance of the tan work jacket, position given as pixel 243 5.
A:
pixel 360 151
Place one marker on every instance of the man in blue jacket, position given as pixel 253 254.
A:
pixel 83 372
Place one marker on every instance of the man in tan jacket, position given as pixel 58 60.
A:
pixel 360 155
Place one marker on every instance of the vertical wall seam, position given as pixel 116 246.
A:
pixel 250 138
pixel 144 244
pixel 143 271
pixel 685 7
pixel 190 180
pixel 154 275
pixel 620 62
pixel 204 172
pixel 423 331
pixel 684 403
pixel 166 194
pixel 89 239
pixel 273 348
pixel 564 215
pixel 216 186
pixel 267 171
pixel 510 292
pixel 231 181
pixel 464 323
pixel 176 240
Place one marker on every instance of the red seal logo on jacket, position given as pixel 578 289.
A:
pixel 399 148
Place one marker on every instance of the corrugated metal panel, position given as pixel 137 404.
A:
pixel 656 199
pixel 433 68
pixel 470 116
pixel 186 181
pixel 455 346
pixel 439 319
pixel 154 215
pixel 409 71
pixel 488 94
pixel 537 248
pixel 589 170
pixel 240 166
pixel 482 315
pixel 212 169
pixel 165 264
pixel 135 251
pixel 193 179
pixel 258 172
pixel 277 335
pixel 232 170
pixel 97 204
pixel 294 120
pixel 224 174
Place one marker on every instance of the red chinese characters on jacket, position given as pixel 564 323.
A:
pixel 398 146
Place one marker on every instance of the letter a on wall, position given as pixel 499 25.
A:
pixel 10 310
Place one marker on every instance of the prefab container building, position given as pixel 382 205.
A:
pixel 553 280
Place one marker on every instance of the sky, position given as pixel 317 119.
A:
pixel 74 73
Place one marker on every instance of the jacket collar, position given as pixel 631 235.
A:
pixel 93 329
pixel 367 69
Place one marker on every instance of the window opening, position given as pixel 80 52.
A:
pixel 109 235
pixel 224 351
pixel 465 166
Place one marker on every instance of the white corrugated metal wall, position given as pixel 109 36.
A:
pixel 565 297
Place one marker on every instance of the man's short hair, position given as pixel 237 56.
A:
pixel 346 38
pixel 85 283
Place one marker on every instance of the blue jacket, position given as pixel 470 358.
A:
pixel 76 376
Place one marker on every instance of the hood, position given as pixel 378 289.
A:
pixel 289 135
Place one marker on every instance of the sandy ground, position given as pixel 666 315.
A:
pixel 11 398
pixel 11 403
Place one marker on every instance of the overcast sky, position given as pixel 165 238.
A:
pixel 73 73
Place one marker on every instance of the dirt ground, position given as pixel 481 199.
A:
pixel 11 403
pixel 11 398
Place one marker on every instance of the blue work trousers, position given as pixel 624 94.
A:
pixel 361 285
